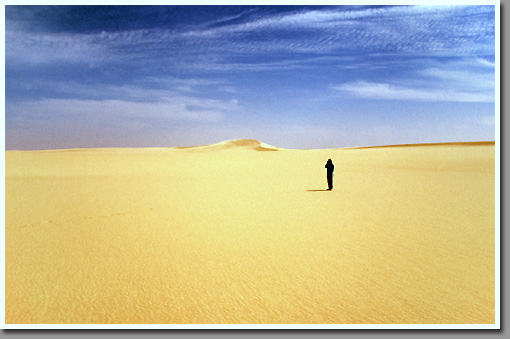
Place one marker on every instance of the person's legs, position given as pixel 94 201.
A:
pixel 330 181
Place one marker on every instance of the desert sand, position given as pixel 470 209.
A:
pixel 245 233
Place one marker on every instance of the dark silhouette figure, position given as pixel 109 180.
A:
pixel 330 169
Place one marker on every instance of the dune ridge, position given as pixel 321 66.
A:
pixel 247 144
pixel 466 143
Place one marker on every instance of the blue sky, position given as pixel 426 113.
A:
pixel 290 76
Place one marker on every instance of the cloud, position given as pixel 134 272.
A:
pixel 24 47
pixel 189 91
pixel 486 62
pixel 465 80
pixel 424 30
pixel 406 30
pixel 191 85
pixel 470 82
pixel 175 109
pixel 372 90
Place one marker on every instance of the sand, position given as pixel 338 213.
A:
pixel 244 233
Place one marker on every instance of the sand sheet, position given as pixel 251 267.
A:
pixel 240 233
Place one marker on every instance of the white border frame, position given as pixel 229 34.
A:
pixel 496 325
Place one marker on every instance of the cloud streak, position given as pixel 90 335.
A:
pixel 371 90
pixel 468 80
pixel 174 109
pixel 409 30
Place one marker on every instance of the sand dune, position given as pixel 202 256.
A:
pixel 449 144
pixel 225 233
pixel 240 144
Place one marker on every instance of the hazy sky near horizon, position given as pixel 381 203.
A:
pixel 289 76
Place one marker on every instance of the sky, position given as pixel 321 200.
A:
pixel 303 77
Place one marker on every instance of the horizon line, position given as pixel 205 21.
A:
pixel 449 143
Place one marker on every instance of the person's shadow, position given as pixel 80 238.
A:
pixel 317 190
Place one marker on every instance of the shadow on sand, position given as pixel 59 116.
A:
pixel 317 190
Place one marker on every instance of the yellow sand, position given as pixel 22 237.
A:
pixel 240 233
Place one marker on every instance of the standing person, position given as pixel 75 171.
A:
pixel 330 168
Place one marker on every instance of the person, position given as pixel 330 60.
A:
pixel 330 168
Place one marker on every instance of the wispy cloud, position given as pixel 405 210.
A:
pixel 44 48
pixel 178 108
pixel 372 90
pixel 465 80
pixel 189 91
pixel 486 62
pixel 423 30
pixel 469 80
pixel 418 30
pixel 411 30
